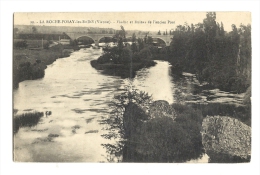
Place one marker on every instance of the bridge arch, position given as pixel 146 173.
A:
pixel 105 38
pixel 160 41
pixel 85 36
pixel 96 37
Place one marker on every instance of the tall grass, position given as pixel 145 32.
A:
pixel 26 120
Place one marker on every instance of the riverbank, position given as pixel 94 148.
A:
pixel 156 131
pixel 29 64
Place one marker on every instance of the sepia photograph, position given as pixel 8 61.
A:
pixel 132 87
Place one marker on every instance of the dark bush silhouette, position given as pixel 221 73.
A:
pixel 21 44
pixel 26 120
pixel 166 140
pixel 162 140
pixel 132 119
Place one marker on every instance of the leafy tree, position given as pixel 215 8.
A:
pixel 126 56
pixel 21 44
pixel 140 43
pixel 115 122
pixel 34 29
pixel 216 56
pixel 73 42
pixel 134 46
pixel 222 31
pixel 25 71
pixel 210 28
pixel 46 45
pixel 150 40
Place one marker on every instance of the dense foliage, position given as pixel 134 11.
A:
pixel 21 44
pixel 115 122
pixel 221 58
pixel 125 59
pixel 142 138
pixel 26 120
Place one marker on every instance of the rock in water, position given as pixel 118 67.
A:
pixel 227 137
pixel 161 108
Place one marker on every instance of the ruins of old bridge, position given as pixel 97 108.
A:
pixel 97 37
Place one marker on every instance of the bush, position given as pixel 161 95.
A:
pixel 46 45
pixel 132 119
pixel 105 58
pixel 143 138
pixel 126 56
pixel 21 44
pixel 145 53
pixel 28 71
pixel 121 110
pixel 163 140
pixel 26 120
pixel 166 140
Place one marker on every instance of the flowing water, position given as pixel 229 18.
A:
pixel 78 96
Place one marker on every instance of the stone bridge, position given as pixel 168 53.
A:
pixel 96 37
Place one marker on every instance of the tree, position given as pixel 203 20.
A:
pixel 34 29
pixel 159 33
pixel 130 98
pixel 46 45
pixel 134 46
pixel 133 38
pixel 222 31
pixel 150 40
pixel 140 43
pixel 73 42
pixel 21 44
pixel 126 56
pixel 16 30
pixel 210 27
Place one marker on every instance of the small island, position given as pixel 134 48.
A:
pixel 124 59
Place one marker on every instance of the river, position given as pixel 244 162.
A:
pixel 78 96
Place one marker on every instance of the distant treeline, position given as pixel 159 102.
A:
pixel 221 58
pixel 39 36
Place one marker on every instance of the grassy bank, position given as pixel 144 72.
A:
pixel 29 64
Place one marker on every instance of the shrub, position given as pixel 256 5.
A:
pixel 145 53
pixel 120 112
pixel 26 120
pixel 163 140
pixel 166 140
pixel 46 45
pixel 21 44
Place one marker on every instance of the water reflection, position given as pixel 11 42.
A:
pixel 189 90
pixel 79 96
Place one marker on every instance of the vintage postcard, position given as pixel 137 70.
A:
pixel 171 87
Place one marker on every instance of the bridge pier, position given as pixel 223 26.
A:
pixel 96 42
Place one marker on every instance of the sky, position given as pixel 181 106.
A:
pixel 152 21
